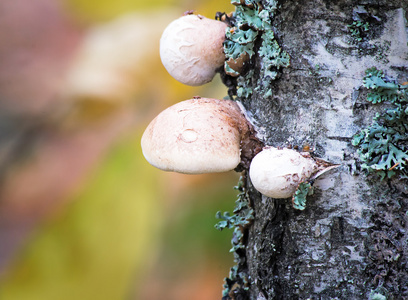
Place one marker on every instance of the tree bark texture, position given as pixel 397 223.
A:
pixel 351 240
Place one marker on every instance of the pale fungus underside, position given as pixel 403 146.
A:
pixel 277 173
pixel 200 135
pixel 191 49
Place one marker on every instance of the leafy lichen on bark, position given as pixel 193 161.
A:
pixel 383 146
pixel 238 282
pixel 252 33
pixel 299 198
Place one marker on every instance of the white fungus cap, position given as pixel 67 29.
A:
pixel 196 136
pixel 276 173
pixel 191 49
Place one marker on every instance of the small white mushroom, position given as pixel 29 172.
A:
pixel 196 136
pixel 276 173
pixel 191 49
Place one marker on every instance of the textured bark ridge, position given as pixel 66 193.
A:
pixel 351 241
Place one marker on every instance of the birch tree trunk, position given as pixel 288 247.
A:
pixel 351 240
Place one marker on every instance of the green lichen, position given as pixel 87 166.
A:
pixel 377 296
pixel 273 59
pixel 384 89
pixel 299 198
pixel 383 146
pixel 252 33
pixel 239 221
pixel 241 38
pixel 358 30
pixel 379 293
pixel 243 89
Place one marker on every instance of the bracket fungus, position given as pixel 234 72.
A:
pixel 277 173
pixel 201 135
pixel 191 49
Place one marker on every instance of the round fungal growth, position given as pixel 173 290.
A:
pixel 196 136
pixel 276 173
pixel 191 49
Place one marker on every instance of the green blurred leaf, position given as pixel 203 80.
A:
pixel 94 248
pixel 102 10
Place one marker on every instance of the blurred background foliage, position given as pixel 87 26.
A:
pixel 82 214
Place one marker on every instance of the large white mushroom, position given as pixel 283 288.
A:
pixel 191 49
pixel 277 173
pixel 201 135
